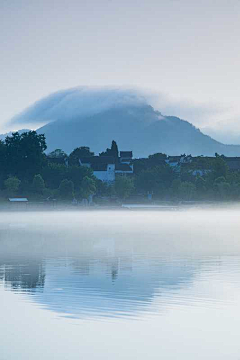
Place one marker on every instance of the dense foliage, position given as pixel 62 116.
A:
pixel 27 171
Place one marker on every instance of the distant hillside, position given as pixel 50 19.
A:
pixel 83 117
pixel 140 129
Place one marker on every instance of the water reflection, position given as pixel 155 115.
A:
pixel 88 275
pixel 178 273
pixel 23 274
pixel 96 286
pixel 76 269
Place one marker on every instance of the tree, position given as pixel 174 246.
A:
pixel 200 184
pixel 174 190
pixel 77 174
pixel 3 151
pixel 187 191
pixel 114 149
pixel 3 162
pixel 235 191
pixel 25 154
pixel 38 184
pixel 103 188
pixel 224 189
pixel 147 181
pixel 78 153
pixel 54 174
pixel 58 154
pixel 157 159
pixel 88 187
pixel 12 185
pixel 123 186
pixel 66 189
pixel 111 152
pixel 219 167
pixel 156 180
pixel 219 180
pixel 149 163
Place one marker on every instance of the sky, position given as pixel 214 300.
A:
pixel 183 53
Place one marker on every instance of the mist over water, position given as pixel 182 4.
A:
pixel 120 284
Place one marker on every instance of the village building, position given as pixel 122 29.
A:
pixel 126 157
pixel 18 203
pixel 105 168
pixel 175 162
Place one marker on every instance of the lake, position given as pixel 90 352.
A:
pixel 120 285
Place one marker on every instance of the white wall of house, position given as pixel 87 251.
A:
pixel 200 172
pixel 171 163
pixel 125 160
pixel 106 176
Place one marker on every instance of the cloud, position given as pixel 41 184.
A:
pixel 226 131
pixel 76 103
pixel 198 113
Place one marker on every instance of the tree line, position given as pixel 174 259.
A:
pixel 27 171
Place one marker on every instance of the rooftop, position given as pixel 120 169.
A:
pixel 98 160
pixel 123 167
pixel 18 199
pixel 126 154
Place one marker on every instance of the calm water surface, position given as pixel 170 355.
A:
pixel 120 285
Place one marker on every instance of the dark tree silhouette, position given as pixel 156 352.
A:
pixel 25 154
pixel 78 153
pixel 111 152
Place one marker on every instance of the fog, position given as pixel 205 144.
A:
pixel 183 232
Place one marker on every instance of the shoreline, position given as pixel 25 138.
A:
pixel 160 206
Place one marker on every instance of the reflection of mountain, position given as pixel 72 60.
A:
pixel 106 286
pixel 113 268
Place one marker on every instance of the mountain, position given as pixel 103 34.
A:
pixel 83 117
pixel 140 129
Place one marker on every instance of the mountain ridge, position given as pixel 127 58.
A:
pixel 142 130
pixel 94 117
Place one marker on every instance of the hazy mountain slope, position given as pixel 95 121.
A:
pixel 124 125
pixel 140 129
pixel 95 116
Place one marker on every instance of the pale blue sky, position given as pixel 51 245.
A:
pixel 187 50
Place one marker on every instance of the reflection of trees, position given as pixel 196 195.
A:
pixel 114 273
pixel 83 266
pixel 23 274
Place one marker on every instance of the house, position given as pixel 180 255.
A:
pixel 105 168
pixel 126 157
pixel 200 172
pixel 175 162
pixel 125 164
pixel 123 169
pixel 18 202
pixel 58 157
